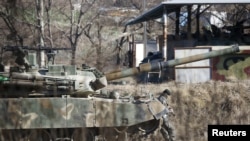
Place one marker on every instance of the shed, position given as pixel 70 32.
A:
pixel 165 8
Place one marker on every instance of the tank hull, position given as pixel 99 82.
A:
pixel 47 113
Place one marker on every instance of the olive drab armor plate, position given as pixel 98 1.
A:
pixel 23 113
pixel 69 98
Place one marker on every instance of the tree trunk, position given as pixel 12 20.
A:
pixel 73 57
pixel 99 62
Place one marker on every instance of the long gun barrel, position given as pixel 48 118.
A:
pixel 152 66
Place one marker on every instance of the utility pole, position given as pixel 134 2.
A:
pixel 145 30
pixel 40 20
pixel 165 34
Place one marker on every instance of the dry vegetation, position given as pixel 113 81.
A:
pixel 198 105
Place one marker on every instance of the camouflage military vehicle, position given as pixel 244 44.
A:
pixel 62 102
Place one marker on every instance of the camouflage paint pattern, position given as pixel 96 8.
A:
pixel 235 66
pixel 33 113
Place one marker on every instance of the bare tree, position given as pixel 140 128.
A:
pixel 81 16
pixel 95 40
pixel 7 13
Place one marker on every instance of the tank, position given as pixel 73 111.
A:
pixel 63 102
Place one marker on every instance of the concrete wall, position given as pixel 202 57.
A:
pixel 195 72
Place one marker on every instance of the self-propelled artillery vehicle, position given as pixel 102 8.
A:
pixel 61 102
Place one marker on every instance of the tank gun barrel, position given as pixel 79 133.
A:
pixel 152 66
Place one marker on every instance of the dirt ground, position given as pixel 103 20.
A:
pixel 198 105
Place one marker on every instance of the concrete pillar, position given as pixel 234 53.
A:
pixel 165 32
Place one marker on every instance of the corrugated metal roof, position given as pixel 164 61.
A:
pixel 171 5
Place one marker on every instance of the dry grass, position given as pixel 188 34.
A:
pixel 198 105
